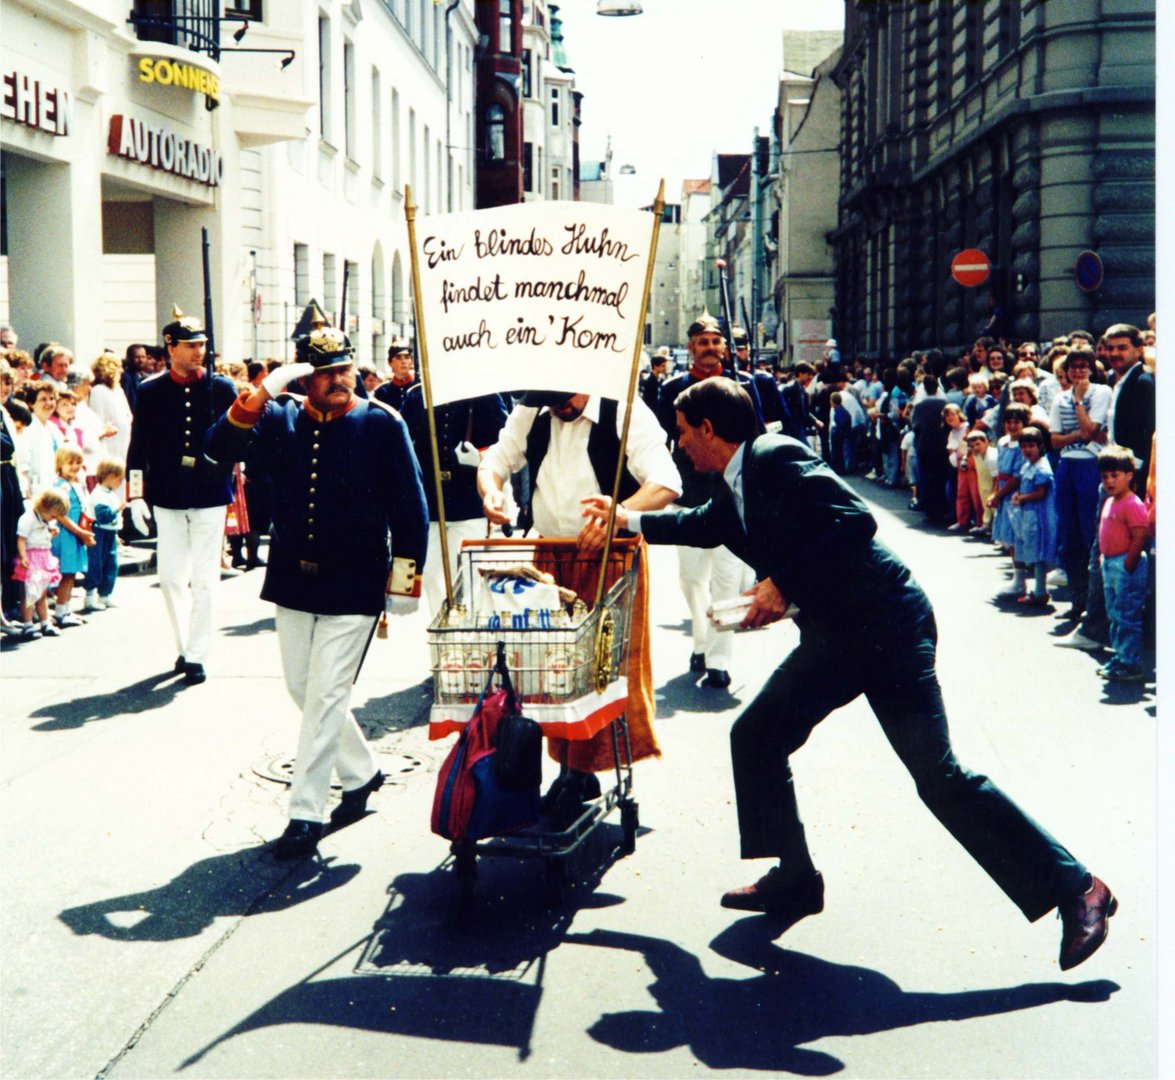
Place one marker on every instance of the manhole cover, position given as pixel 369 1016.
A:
pixel 395 765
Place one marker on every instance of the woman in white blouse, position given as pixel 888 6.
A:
pixel 109 401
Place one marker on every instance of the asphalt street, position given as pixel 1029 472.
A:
pixel 147 933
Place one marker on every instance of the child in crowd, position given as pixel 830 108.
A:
pixel 1008 462
pixel 70 543
pixel 107 500
pixel 1036 523
pixel 983 461
pixel 1122 536
pixel 36 565
pixel 979 400
pixel 62 422
pixel 960 487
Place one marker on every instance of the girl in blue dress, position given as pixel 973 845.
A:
pixel 1007 481
pixel 1036 522
pixel 70 543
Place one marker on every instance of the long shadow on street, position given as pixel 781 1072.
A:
pixel 435 968
pixel 235 884
pixel 151 693
pixel 763 1022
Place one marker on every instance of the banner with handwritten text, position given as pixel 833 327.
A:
pixel 537 296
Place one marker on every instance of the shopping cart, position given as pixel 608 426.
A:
pixel 569 669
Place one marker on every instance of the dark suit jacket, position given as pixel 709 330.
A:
pixel 1134 417
pixel 796 418
pixel 808 532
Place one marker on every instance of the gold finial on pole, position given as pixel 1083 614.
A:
pixel 426 384
pixel 634 374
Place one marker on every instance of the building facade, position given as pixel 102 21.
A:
pixel 805 187
pixel 293 146
pixel 1021 128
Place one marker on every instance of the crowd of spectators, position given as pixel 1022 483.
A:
pixel 1016 444
pixel 65 432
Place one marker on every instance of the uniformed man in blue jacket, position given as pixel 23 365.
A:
pixel 344 478
pixel 187 493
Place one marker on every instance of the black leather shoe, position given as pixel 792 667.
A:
pixel 1085 923
pixel 193 674
pixel 180 666
pixel 697 662
pixel 774 895
pixel 717 678
pixel 300 839
pixel 354 803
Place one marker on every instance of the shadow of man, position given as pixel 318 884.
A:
pixel 238 883
pixel 434 969
pixel 398 711
pixel 149 693
pixel 763 1022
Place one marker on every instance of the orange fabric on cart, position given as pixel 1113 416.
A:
pixel 574 572
pixel 584 728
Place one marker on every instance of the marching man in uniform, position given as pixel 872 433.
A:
pixel 344 476
pixel 167 469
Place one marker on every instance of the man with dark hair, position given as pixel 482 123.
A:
pixel 167 469
pixel 868 629
pixel 403 365
pixel 134 370
pixel 765 385
pixel 256 372
pixel 798 419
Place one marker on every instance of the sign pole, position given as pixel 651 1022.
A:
pixel 658 209
pixel 426 384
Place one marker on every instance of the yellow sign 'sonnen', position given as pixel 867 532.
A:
pixel 172 73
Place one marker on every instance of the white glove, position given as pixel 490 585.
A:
pixel 140 514
pixel 281 377
pixel 401 605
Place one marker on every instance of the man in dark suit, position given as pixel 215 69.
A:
pixel 1131 422
pixel 868 629
pixel 797 409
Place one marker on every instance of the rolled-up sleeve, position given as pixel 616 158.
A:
pixel 508 454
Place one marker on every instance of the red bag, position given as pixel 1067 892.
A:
pixel 470 802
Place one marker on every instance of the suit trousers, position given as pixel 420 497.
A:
pixel 321 655
pixel 707 575
pixel 896 673
pixel 188 556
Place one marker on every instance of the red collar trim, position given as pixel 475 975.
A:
pixel 185 380
pixel 700 376
pixel 327 417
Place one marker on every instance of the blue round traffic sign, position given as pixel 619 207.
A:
pixel 1088 271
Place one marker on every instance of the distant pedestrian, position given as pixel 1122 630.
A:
pixel 107 501
pixel 188 493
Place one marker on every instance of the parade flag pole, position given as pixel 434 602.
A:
pixel 426 384
pixel 208 302
pixel 634 374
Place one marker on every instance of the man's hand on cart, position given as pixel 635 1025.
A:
pixel 591 536
pixel 767 604
pixel 595 508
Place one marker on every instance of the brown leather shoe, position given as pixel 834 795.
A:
pixel 1085 923
pixel 772 894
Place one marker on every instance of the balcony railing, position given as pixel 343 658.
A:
pixel 188 24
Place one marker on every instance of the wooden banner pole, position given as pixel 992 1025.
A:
pixel 634 375
pixel 426 383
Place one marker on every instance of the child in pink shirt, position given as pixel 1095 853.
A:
pixel 1122 536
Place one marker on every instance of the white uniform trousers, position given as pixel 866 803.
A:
pixel 320 659
pixel 434 574
pixel 188 562
pixel 707 575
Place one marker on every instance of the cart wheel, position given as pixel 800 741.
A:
pixel 465 869
pixel 629 820
pixel 556 881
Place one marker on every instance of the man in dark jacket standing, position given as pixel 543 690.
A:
pixel 344 477
pixel 867 630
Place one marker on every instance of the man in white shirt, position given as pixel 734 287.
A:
pixel 572 444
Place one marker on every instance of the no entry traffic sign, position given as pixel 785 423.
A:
pixel 970 267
